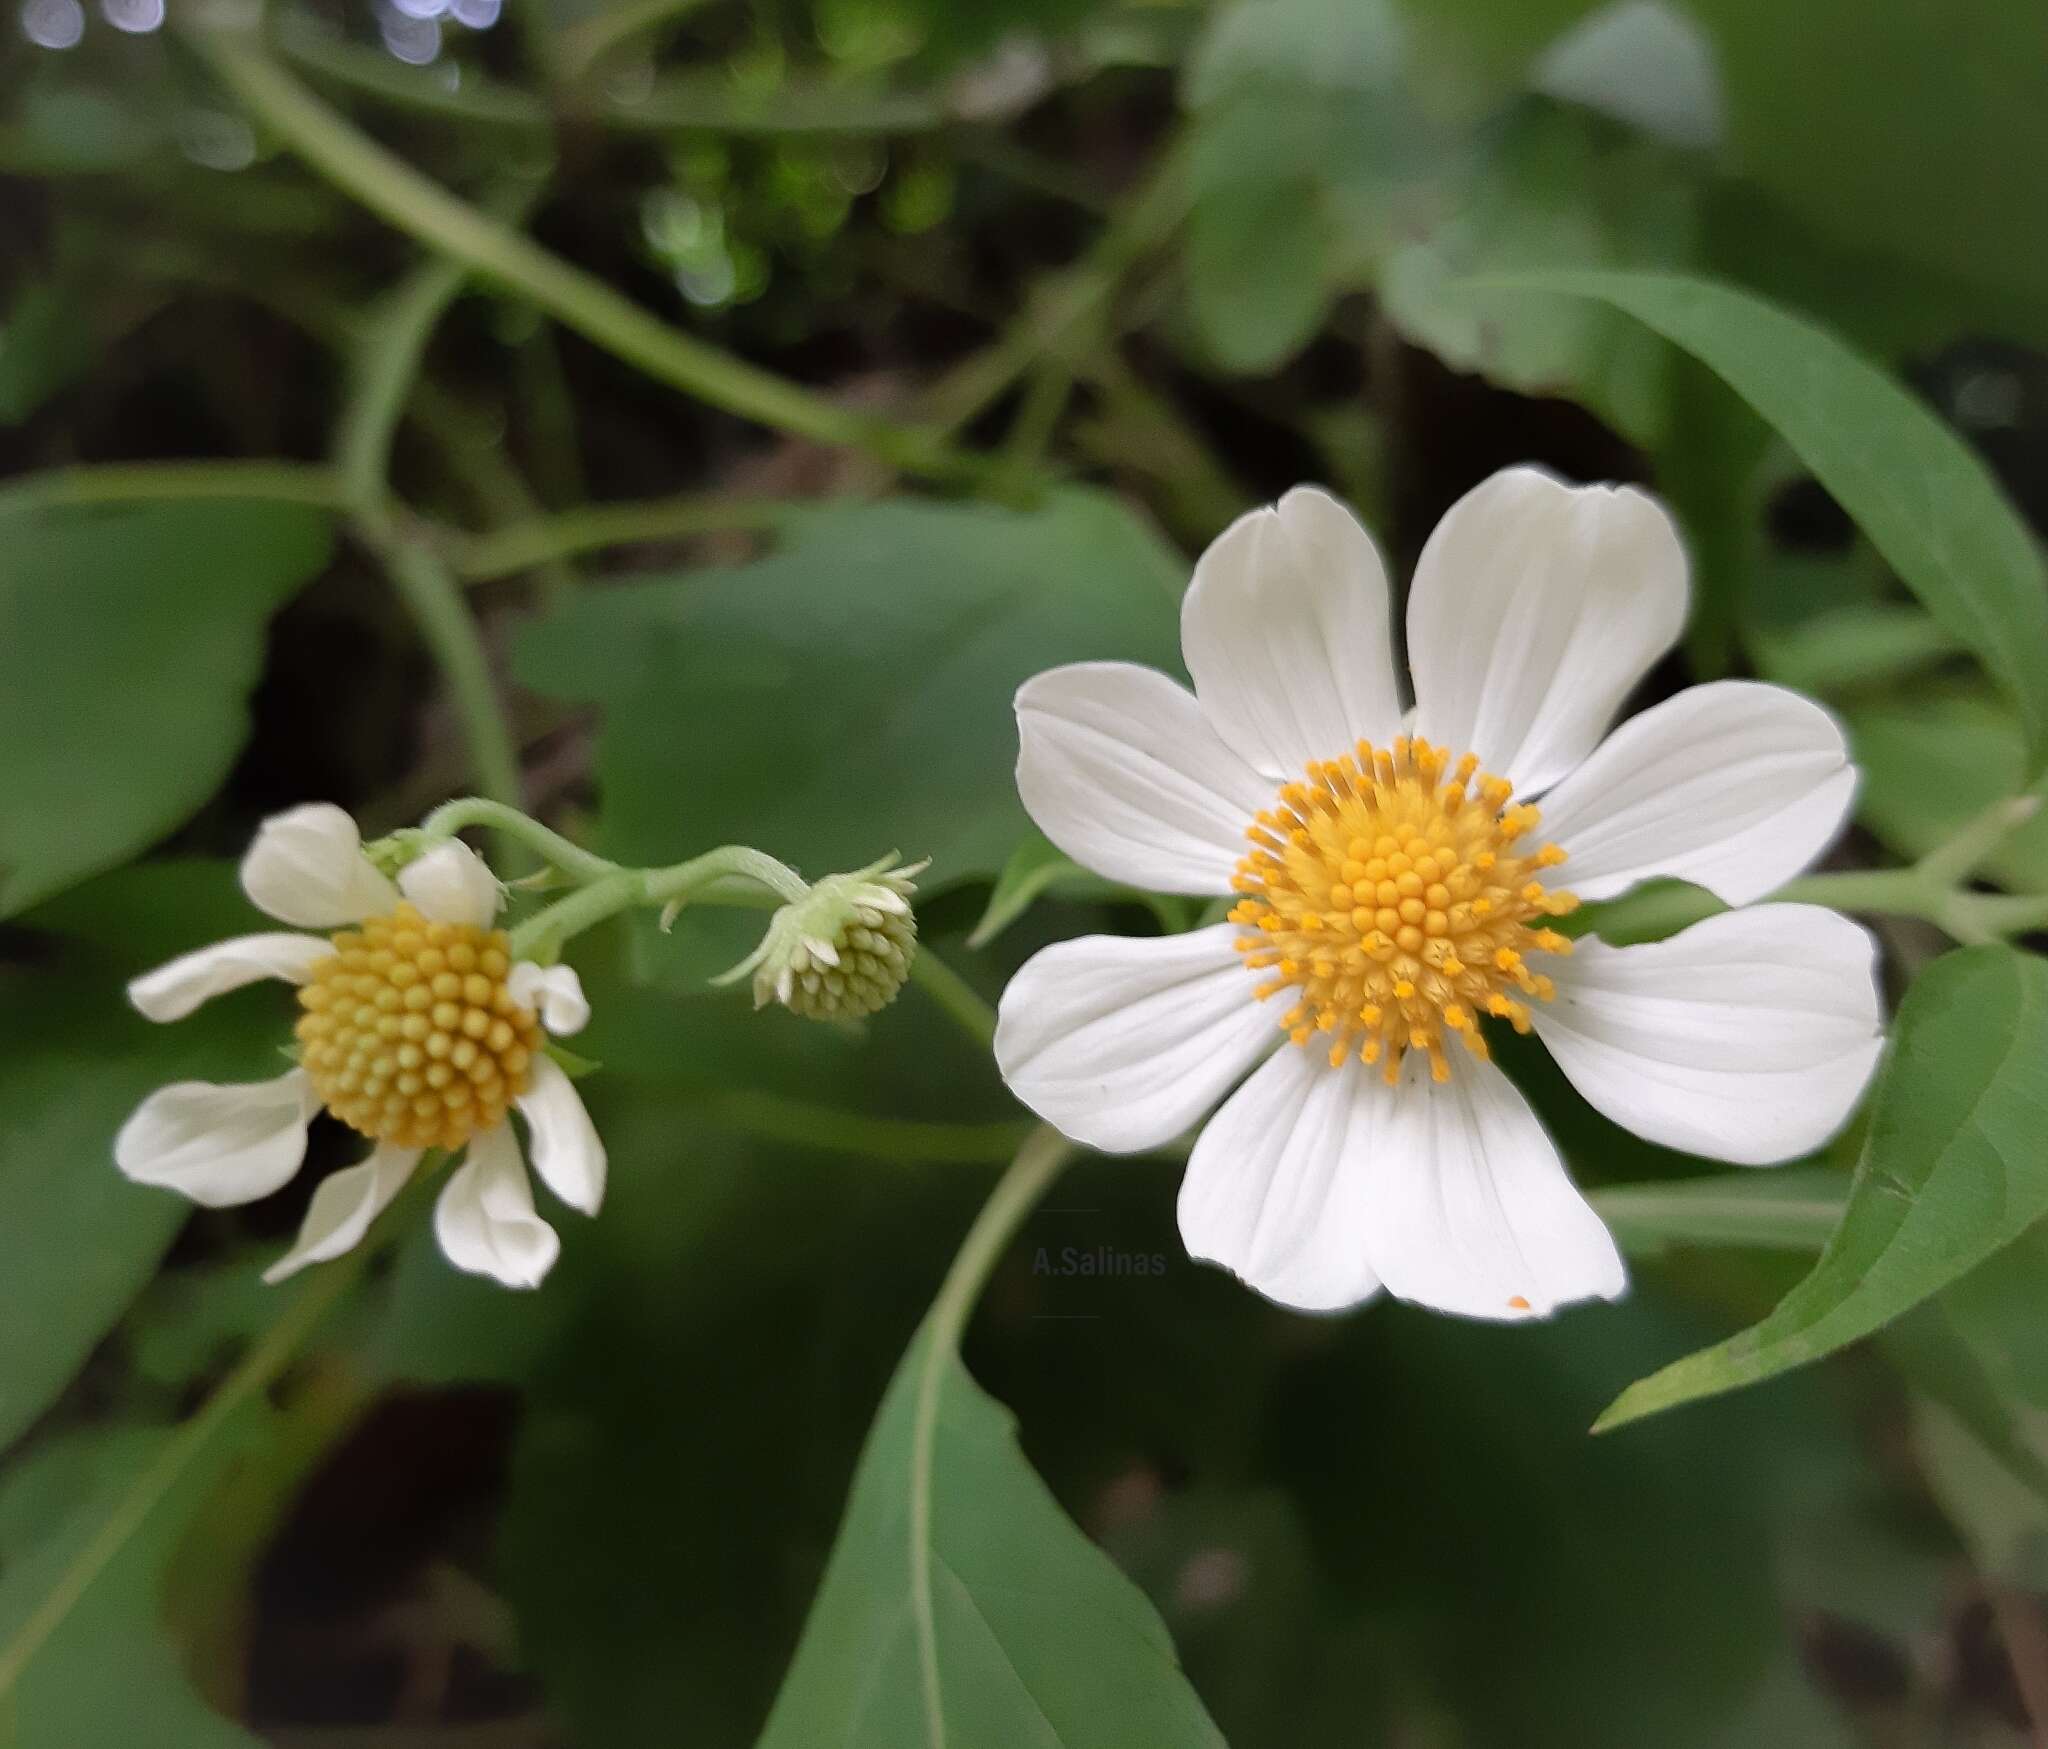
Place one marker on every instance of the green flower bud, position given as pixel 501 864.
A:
pixel 841 951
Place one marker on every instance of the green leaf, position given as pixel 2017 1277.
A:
pixel 1955 1166
pixel 1796 1209
pixel 1555 188
pixel 852 691
pixel 1934 761
pixel 77 1240
pixel 961 1606
pixel 1929 506
pixel 129 641
pixel 111 1671
pixel 1035 868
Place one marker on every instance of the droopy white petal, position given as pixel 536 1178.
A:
pixel 1536 608
pixel 556 991
pixel 566 1152
pixel 1287 631
pixel 1276 1188
pixel 1470 1209
pixel 343 1206
pixel 219 1145
pixel 484 1217
pixel 1735 786
pixel 451 884
pixel 1122 771
pixel 1747 1037
pixel 179 986
pixel 307 868
pixel 1123 1043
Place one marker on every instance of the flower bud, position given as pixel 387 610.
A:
pixel 841 951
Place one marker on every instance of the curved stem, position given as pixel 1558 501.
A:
pixel 955 995
pixel 593 527
pixel 400 195
pixel 465 811
pixel 733 874
pixel 437 606
pixel 171 482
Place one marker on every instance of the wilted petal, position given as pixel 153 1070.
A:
pixel 344 1205
pixel 219 1145
pixel 485 1220
pixel 179 986
pixel 555 991
pixel 452 884
pixel 566 1151
pixel 307 868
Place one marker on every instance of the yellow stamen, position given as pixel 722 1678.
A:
pixel 1389 891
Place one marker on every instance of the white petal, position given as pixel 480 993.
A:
pixel 452 884
pixel 1122 771
pixel 1747 1037
pixel 1276 1188
pixel 484 1218
pixel 1536 609
pixel 1735 786
pixel 1121 1043
pixel 1288 634
pixel 556 991
pixel 343 1206
pixel 219 1145
pixel 307 868
pixel 179 986
pixel 566 1152
pixel 1470 1209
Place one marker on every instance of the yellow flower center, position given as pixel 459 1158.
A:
pixel 410 1035
pixel 1396 905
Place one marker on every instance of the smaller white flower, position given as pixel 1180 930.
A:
pixel 419 1031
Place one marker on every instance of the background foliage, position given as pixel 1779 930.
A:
pixel 693 418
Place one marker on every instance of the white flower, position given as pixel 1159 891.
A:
pixel 1390 893
pixel 419 1031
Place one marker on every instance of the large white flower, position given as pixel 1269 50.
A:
pixel 1391 893
pixel 419 1030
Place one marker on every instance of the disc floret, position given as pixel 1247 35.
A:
pixel 1395 897
pixel 410 1032
pixel 842 950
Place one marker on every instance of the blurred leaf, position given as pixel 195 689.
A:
pixel 961 1604
pixel 1933 761
pixel 1037 868
pixel 1793 1209
pixel 852 691
pixel 1850 647
pixel 1955 1166
pixel 1929 506
pixel 1643 62
pixel 129 641
pixel 1554 189
pixel 111 1672
pixel 77 1240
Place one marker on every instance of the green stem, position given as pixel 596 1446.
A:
pixel 578 49
pixel 386 364
pixel 848 1132
pixel 594 527
pixel 571 858
pixel 443 617
pixel 955 995
pixel 255 1372
pixel 733 874
pixel 173 482
pixel 423 209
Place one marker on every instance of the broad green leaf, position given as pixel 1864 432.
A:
pixel 1929 506
pixel 961 1606
pixel 1554 189
pixel 1931 763
pixel 129 641
pixel 851 693
pixel 111 1672
pixel 1849 648
pixel 1792 1210
pixel 77 1240
pixel 1036 868
pixel 1955 1166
